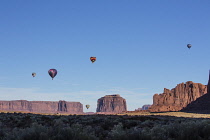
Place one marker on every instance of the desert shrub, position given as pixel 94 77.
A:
pixel 58 123
pixel 159 132
pixel 147 123
pixel 39 132
pixel 107 124
pixel 35 132
pixel 104 127
pixel 130 123
pixel 64 120
pixel 118 133
pixel 75 132
pixel 194 130
pixel 135 133
pixel 2 131
pixel 187 130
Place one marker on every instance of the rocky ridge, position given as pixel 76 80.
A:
pixel 178 97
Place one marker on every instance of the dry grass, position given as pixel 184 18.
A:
pixel 176 114
pixel 57 114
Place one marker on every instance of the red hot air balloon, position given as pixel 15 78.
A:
pixel 52 73
pixel 93 59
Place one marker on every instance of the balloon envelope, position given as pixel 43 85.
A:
pixel 87 106
pixel 189 46
pixel 33 74
pixel 93 59
pixel 52 73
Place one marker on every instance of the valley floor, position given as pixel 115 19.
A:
pixel 129 126
pixel 176 114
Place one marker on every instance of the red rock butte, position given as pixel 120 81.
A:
pixel 62 107
pixel 111 104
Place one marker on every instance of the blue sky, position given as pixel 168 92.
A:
pixel 141 48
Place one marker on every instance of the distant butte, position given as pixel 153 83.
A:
pixel 61 107
pixel 144 107
pixel 111 104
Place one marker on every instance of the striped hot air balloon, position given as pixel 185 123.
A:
pixel 92 59
pixel 87 106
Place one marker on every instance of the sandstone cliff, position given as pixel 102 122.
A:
pixel 111 104
pixel 42 106
pixel 178 97
pixel 200 105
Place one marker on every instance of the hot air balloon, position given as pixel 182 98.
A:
pixel 52 73
pixel 33 74
pixel 189 46
pixel 93 59
pixel 87 106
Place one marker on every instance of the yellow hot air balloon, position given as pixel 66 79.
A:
pixel 87 106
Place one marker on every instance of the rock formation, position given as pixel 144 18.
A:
pixel 178 97
pixel 200 105
pixel 138 109
pixel 208 86
pixel 111 104
pixel 146 107
pixel 42 106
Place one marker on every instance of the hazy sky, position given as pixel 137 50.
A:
pixel 140 45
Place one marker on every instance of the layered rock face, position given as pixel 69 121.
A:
pixel 178 97
pixel 42 106
pixel 200 105
pixel 111 104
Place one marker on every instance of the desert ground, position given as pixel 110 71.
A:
pixel 131 125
